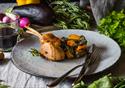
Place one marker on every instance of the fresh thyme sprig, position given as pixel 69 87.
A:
pixel 34 52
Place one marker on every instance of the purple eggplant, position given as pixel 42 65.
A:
pixel 40 14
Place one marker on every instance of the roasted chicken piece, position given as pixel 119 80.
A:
pixel 50 45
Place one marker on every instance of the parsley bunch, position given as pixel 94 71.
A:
pixel 114 26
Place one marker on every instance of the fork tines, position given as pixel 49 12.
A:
pixel 93 56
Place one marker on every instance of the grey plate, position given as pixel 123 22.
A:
pixel 39 66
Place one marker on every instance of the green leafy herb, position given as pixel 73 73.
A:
pixel 104 82
pixel 69 15
pixel 114 26
pixel 120 84
pixel 107 81
pixel 80 85
pixel 3 86
pixel 34 52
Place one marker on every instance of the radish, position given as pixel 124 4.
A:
pixel 1 16
pixel 6 19
pixel 24 22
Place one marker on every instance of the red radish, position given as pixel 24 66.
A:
pixel 1 16
pixel 24 22
pixel 6 19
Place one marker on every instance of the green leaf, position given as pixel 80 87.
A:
pixel 3 86
pixel 113 26
pixel 104 82
pixel 80 85
pixel 120 85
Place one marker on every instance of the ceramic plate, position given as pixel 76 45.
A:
pixel 40 66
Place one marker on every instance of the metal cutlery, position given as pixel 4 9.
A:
pixel 64 76
pixel 93 57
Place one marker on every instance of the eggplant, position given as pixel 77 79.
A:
pixel 40 14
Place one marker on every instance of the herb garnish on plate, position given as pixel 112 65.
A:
pixel 34 52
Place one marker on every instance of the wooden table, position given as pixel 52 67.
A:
pixel 15 78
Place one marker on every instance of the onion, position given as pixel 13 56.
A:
pixel 24 22
pixel 6 19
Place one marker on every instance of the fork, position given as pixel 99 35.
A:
pixel 64 76
pixel 92 59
